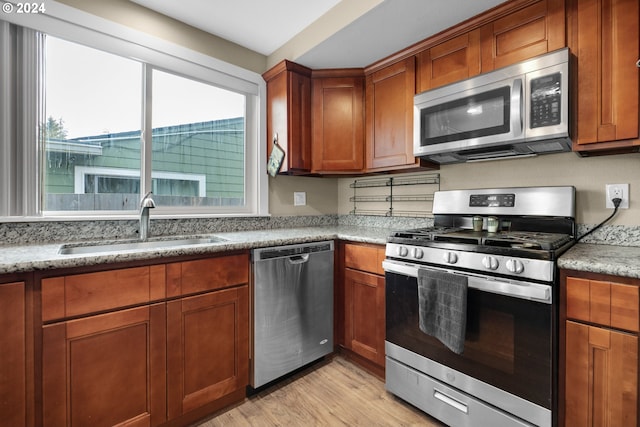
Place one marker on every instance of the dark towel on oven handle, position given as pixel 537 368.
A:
pixel 442 300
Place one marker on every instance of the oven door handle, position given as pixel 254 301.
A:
pixel 519 289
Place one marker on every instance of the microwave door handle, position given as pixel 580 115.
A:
pixel 516 108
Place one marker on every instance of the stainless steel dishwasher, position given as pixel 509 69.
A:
pixel 292 308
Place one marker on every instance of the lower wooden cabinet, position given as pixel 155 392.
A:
pixel 364 303
pixel 208 348
pixel 180 353
pixel 599 350
pixel 105 370
pixel 602 377
pixel 364 323
pixel 15 357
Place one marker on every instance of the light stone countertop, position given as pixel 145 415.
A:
pixel 24 258
pixel 607 259
pixel 596 258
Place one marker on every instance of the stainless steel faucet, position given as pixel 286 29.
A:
pixel 145 204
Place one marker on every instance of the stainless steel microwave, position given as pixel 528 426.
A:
pixel 519 110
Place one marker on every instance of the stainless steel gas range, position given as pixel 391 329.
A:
pixel 471 306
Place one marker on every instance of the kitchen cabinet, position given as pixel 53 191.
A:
pixel 523 33
pixel 162 344
pixel 289 115
pixel 604 36
pixel 103 363
pixel 364 304
pixel 207 333
pixel 16 356
pixel 599 353
pixel 389 118
pixel 105 369
pixel 448 62
pixel 510 33
pixel 338 121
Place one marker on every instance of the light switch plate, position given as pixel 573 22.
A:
pixel 299 198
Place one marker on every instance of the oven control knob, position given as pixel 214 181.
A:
pixel 490 263
pixel 450 257
pixel 417 253
pixel 402 251
pixel 515 266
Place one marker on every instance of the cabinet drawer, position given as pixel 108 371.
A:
pixel 604 303
pixel 365 258
pixel 79 294
pixel 190 277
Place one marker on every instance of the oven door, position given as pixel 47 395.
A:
pixel 509 332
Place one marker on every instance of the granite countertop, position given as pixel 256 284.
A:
pixel 23 258
pixel 607 259
pixel 596 258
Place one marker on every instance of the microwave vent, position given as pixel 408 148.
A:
pixel 547 147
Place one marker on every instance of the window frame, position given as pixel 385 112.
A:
pixel 61 21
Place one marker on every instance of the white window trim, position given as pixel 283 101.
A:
pixel 80 172
pixel 74 25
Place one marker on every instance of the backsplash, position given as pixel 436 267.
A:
pixel 13 233
pixel 16 233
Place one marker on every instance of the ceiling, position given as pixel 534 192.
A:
pixel 264 26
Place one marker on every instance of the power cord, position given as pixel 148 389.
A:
pixel 616 203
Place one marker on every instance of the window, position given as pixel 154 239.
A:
pixel 92 119
pixel 93 111
pixel 123 114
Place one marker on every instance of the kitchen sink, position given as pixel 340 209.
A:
pixel 136 244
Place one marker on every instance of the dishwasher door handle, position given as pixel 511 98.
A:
pixel 299 259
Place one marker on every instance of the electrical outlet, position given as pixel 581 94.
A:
pixel 617 191
pixel 299 198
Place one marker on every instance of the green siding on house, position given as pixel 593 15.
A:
pixel 214 149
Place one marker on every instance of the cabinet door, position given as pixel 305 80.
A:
pixel 365 314
pixel 448 62
pixel 601 377
pixel 13 356
pixel 603 303
pixel 338 124
pixel 523 34
pixel 105 370
pixel 289 115
pixel 605 40
pixel 389 116
pixel 208 354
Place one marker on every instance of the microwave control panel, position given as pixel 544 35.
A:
pixel 546 92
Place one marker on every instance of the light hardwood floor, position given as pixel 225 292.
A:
pixel 331 393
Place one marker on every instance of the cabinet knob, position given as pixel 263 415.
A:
pixel 638 63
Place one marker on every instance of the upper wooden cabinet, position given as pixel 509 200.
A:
pixel 338 122
pixel 289 115
pixel 604 37
pixel 448 62
pixel 522 34
pixel 389 117
pixel 510 33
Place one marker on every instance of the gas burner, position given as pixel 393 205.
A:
pixel 533 240
pixel 528 240
pixel 424 234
